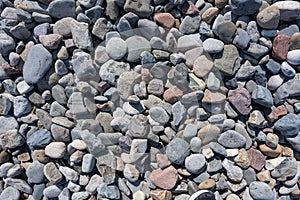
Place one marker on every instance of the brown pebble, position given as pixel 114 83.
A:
pixel 172 94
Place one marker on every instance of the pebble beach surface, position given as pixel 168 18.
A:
pixel 158 100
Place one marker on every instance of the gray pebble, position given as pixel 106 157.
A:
pixel 10 193
pixel 261 190
pixel 177 150
pixel 159 115
pixel 232 139
pixel 195 163
pixel 35 173
pixel 62 8
pixel 52 191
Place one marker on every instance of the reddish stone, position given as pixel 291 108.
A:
pixel 146 75
pixel 166 20
pixel 281 47
pixel 172 94
pixel 240 98
pixel 10 70
pixel 164 179
pixel 276 113
pixel 213 97
pixel 189 8
pixel 256 158
pixel 162 160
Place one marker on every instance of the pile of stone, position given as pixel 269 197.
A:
pixel 140 99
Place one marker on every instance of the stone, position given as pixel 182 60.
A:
pixel 94 182
pixel 256 158
pixel 227 60
pixel 262 96
pixel 11 139
pixel 281 45
pixel 166 20
pixel 256 119
pixel 213 97
pixel 100 29
pixel 226 31
pixel 131 173
pixel 159 115
pixel 156 87
pixel 55 150
pixel 5 105
pixel 172 94
pixel 195 163
pixel 245 7
pixel 207 184
pixel 295 41
pixel 69 173
pixel 289 10
pixel 242 39
pixel 177 150
pixel 289 125
pixel 62 8
pixel 261 190
pixel 10 193
pixel 108 191
pixel 126 82
pixel 22 106
pixel 209 133
pixel 116 48
pixel 39 138
pixel 7 123
pixel 234 173
pixel 190 24
pixel 52 173
pixel 141 8
pixel 293 57
pixel 241 100
pixel 256 50
pixel 88 163
pixel 165 179
pixel 35 173
pixel 50 41
pixel 136 45
pixel 212 45
pixel 268 18
pixel 232 139
pixel 18 184
pixel 37 64
pixel 52 191
pixel 288 70
pixel 81 35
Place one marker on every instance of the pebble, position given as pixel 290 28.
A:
pixel 177 150
pixel 52 173
pixel 55 150
pixel 62 8
pixel 293 57
pixel 52 191
pixel 108 191
pixel 136 45
pixel 159 115
pixel 165 179
pixel 245 7
pixel 166 20
pixel 261 190
pixel 37 63
pixel 10 193
pixel 195 163
pixel 34 172
pixel 116 48
pixel 240 98
pixel 232 139
pixel 288 125
pixel 213 45
pixel 22 106
pixel 226 60
pixel 262 96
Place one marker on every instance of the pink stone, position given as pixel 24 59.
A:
pixel 172 94
pixel 241 100
pixel 257 159
pixel 166 20
pixel 164 179
pixel 162 160
pixel 281 47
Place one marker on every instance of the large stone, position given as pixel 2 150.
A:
pixel 261 190
pixel 245 7
pixel 262 96
pixel 177 150
pixel 37 63
pixel 228 60
pixel 232 139
pixel 165 179
pixel 141 7
pixel 7 43
pixel 62 8
pixel 240 98
pixel 268 18
pixel 289 125
pixel 289 10
pixel 136 45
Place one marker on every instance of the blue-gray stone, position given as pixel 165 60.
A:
pixel 37 63
pixel 177 150
pixel 62 8
pixel 39 138
pixel 232 139
pixel 22 106
pixel 273 66
pixel 245 7
pixel 289 125
pixel 35 173
pixel 262 96
pixel 108 191
pixel 261 191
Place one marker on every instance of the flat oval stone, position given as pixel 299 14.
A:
pixel 55 150
pixel 62 8
pixel 212 45
pixel 195 163
pixel 232 139
pixel 268 18
pixel 261 190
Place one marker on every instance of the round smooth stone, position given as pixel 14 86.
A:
pixel 116 48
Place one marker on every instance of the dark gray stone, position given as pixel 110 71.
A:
pixel 177 150
pixel 232 139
